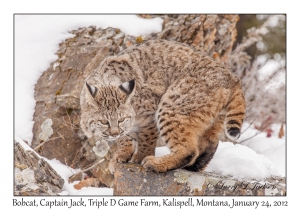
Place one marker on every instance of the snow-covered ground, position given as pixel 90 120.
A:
pixel 36 41
pixel 259 157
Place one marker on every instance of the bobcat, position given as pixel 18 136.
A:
pixel 162 89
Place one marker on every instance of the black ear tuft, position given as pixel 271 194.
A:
pixel 92 89
pixel 127 87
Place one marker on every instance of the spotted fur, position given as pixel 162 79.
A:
pixel 162 89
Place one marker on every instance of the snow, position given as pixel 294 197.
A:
pixel 36 41
pixel 272 147
pixel 259 157
pixel 240 161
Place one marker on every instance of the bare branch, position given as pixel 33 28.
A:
pixel 61 136
pixel 41 144
pixel 95 164
pixel 254 35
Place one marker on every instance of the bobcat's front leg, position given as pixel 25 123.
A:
pixel 126 147
pixel 146 142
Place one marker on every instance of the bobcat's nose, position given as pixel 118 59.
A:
pixel 114 132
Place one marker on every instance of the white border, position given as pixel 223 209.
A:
pixel 118 6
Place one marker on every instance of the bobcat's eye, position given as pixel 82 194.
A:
pixel 122 119
pixel 104 122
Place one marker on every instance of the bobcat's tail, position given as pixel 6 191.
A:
pixel 235 112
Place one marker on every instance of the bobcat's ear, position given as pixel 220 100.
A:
pixel 91 89
pixel 128 87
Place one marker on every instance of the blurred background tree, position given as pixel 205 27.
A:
pixel 259 60
pixel 272 43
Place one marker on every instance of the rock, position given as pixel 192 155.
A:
pixel 132 179
pixel 57 91
pixel 213 35
pixel 33 175
pixel 66 140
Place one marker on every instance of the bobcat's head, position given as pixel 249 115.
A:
pixel 108 113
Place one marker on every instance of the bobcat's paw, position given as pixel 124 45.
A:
pixel 121 158
pixel 112 165
pixel 150 163
pixel 140 156
pixel 136 158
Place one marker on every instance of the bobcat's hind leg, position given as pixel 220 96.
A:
pixel 181 134
pixel 212 136
pixel 182 143
pixel 183 116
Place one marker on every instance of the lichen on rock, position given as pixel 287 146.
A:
pixel 101 148
pixel 47 131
